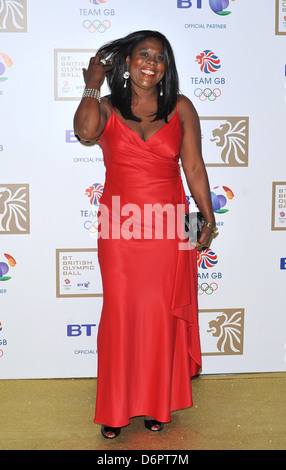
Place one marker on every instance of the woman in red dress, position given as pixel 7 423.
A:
pixel 148 339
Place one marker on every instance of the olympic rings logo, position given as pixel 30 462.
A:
pixel 206 288
pixel 96 25
pixel 207 94
pixel 92 227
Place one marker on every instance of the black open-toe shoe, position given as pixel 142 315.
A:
pixel 150 423
pixel 109 432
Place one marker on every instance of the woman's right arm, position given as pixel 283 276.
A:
pixel 91 116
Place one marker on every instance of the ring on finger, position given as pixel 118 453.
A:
pixel 103 61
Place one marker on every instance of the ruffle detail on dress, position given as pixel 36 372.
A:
pixel 184 303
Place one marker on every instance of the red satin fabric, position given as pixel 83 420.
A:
pixel 148 339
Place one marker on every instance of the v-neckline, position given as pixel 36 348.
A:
pixel 134 132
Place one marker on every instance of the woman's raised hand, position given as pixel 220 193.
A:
pixel 95 74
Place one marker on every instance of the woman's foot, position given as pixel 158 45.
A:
pixel 152 424
pixel 110 433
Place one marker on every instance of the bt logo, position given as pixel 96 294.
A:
pixel 4 267
pixel 220 195
pixel 283 263
pixel 71 138
pixel 7 62
pixel 78 330
pixel 218 6
pixel 220 198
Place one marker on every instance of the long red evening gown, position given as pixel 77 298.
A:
pixel 148 339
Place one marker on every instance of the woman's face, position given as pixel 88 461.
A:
pixel 147 63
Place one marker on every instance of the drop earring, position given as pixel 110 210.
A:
pixel 161 89
pixel 126 75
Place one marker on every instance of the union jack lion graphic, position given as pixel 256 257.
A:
pixel 228 328
pixel 14 209
pixel 12 15
pixel 232 137
pixel 94 193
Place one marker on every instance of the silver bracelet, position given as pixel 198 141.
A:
pixel 91 93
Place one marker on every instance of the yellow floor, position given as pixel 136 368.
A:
pixel 230 412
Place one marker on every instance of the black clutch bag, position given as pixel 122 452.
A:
pixel 194 222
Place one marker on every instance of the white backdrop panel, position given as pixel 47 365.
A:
pixel 48 321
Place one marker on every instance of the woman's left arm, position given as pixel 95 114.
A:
pixel 194 167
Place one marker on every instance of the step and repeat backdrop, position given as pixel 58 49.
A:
pixel 232 64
